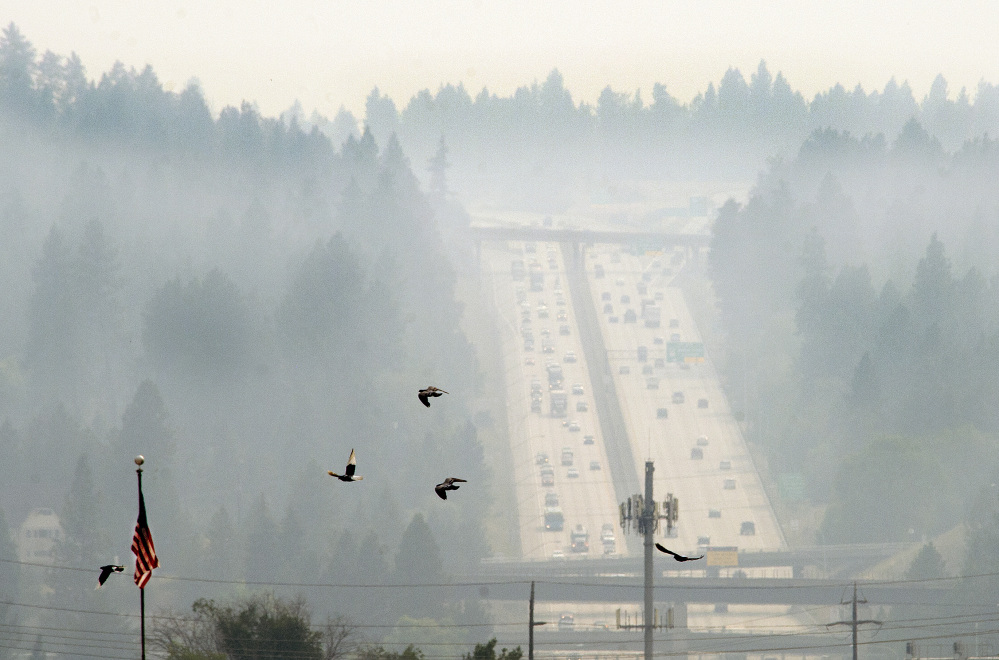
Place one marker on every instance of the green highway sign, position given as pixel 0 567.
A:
pixel 685 351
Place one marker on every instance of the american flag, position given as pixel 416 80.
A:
pixel 142 546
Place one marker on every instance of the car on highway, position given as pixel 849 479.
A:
pixel 573 426
pixel 748 528
pixel 725 465
pixel 662 413
pixel 660 363
pixel 630 316
pixel 558 555
pixel 577 388
pixel 612 319
pixel 696 453
pixel 547 346
pixel 675 336
pixel 619 282
pixel 541 458
pixel 570 357
pixel 652 383
pixel 659 295
pixel 647 370
pixel 625 299
pixel 581 406
pixel 703 541
pixel 658 341
pixel 588 440
pixel 542 311
pixel 714 513
pixel 562 317
pixel 551 499
pixel 702 403
pixel 678 397
pixel 548 480
pixel 605 296
pixel 594 465
pixel 608 308
pixel 566 621
pixel 702 441
pixel 529 362
pixel 572 473
pixel 729 484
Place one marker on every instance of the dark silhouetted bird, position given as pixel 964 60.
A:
pixel 431 391
pixel 448 484
pixel 106 571
pixel 676 556
pixel 349 472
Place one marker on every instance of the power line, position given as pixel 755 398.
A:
pixel 499 582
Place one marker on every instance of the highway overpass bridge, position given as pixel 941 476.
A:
pixel 573 238
pixel 836 561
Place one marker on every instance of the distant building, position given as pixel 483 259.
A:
pixel 38 534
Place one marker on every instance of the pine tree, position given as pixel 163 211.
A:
pixel 438 170
pixel 928 564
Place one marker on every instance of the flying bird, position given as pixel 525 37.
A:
pixel 431 391
pixel 448 484
pixel 349 472
pixel 676 556
pixel 106 571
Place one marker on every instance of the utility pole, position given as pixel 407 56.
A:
pixel 854 623
pixel 647 533
pixel 530 626
pixel 645 513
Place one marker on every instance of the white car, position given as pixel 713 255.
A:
pixel 572 473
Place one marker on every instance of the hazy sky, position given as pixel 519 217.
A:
pixel 332 53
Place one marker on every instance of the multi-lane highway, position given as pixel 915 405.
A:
pixel 537 329
pixel 677 414
pixel 674 413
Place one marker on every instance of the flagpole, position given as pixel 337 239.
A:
pixel 139 460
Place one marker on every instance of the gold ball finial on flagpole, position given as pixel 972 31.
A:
pixel 140 459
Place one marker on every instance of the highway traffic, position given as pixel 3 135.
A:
pixel 675 411
pixel 558 453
